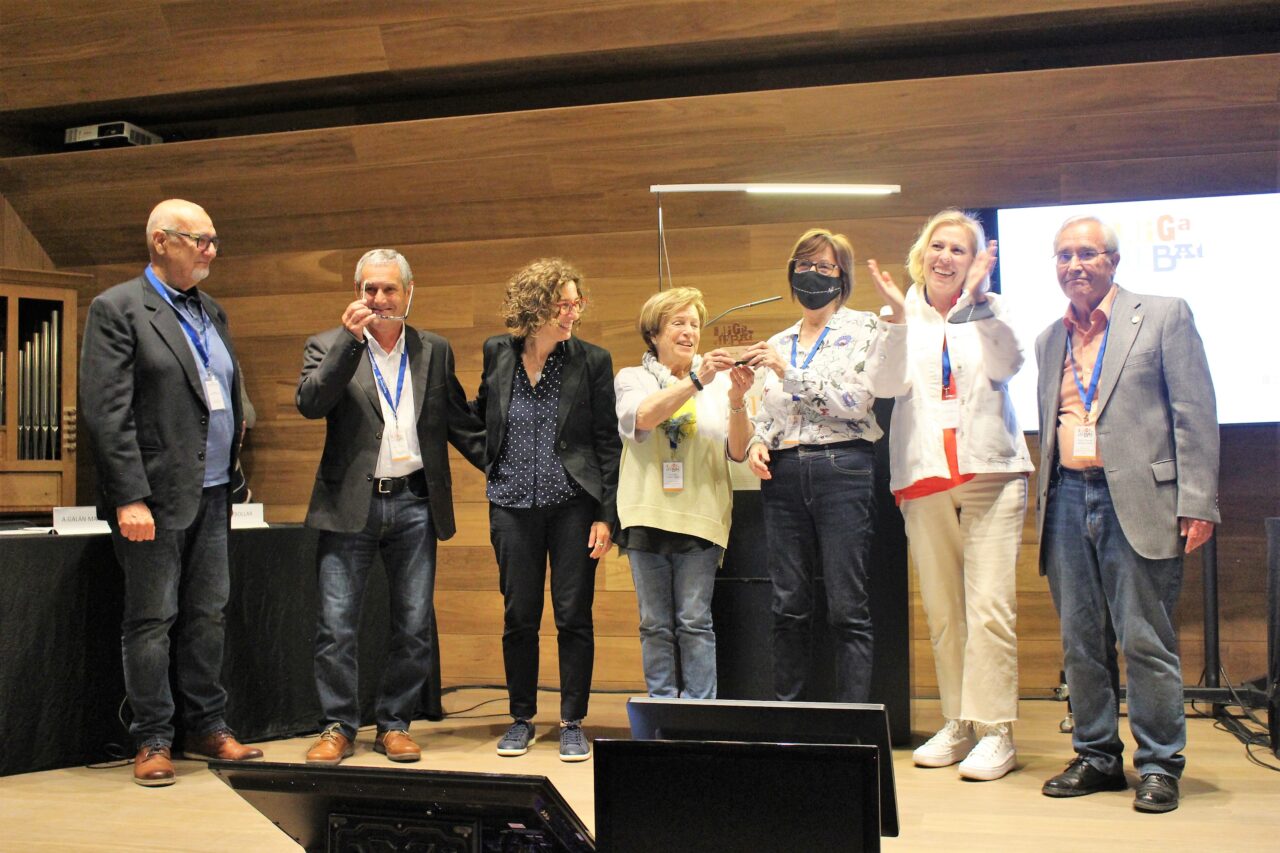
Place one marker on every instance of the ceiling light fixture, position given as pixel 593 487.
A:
pixel 780 189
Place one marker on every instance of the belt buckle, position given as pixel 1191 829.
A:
pixel 386 485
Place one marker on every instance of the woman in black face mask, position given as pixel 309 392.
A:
pixel 812 448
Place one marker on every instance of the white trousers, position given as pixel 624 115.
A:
pixel 965 545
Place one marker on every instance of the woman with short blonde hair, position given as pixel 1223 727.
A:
pixel 681 416
pixel 959 471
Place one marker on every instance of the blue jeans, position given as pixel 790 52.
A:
pixel 400 528
pixel 1105 591
pixel 180 577
pixel 818 516
pixel 674 593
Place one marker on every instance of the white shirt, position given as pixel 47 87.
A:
pixel 401 417
pixel 984 355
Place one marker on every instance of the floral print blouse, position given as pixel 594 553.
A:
pixel 831 398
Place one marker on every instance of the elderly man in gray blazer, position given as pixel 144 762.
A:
pixel 1128 484
pixel 391 400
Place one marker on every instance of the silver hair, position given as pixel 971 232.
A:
pixel 378 257
pixel 1110 241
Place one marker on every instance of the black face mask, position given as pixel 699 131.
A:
pixel 813 289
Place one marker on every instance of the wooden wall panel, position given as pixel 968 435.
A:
pixel 18 246
pixel 587 170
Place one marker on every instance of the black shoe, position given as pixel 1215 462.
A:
pixel 1082 778
pixel 1157 793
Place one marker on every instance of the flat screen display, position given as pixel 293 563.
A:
pixel 714 797
pixel 761 721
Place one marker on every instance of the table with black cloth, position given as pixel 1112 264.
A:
pixel 61 682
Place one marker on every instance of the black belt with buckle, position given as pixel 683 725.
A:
pixel 387 486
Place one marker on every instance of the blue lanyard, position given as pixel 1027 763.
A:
pixel 382 385
pixel 1086 397
pixel 812 352
pixel 195 336
pixel 946 366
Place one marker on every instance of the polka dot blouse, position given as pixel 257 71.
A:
pixel 527 472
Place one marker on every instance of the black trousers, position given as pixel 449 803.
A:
pixel 523 539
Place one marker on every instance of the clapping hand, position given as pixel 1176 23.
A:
pixel 979 277
pixel 889 292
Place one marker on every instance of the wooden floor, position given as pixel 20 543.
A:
pixel 1228 802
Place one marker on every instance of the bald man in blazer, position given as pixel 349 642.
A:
pixel 391 401
pixel 1128 484
pixel 160 402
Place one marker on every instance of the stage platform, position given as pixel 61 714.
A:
pixel 1228 802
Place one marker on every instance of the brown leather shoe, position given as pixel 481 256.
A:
pixel 397 745
pixel 220 744
pixel 152 767
pixel 331 747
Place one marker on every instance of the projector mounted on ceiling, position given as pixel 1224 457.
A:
pixel 112 134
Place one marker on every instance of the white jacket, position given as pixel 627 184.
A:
pixel 985 354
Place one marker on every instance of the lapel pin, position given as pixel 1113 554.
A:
pixel 1134 319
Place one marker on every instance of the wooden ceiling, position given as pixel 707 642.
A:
pixel 75 61
pixel 71 52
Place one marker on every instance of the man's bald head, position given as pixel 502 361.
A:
pixel 174 229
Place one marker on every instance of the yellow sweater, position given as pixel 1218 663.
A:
pixel 704 507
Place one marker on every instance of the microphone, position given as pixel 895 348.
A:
pixel 740 307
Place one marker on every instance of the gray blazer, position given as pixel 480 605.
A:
pixel 1156 416
pixel 337 384
pixel 143 406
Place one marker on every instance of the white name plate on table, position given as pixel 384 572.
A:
pixel 78 521
pixel 247 516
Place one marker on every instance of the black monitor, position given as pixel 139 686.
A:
pixel 719 796
pixel 772 722
pixel 357 808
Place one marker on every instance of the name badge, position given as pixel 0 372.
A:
pixel 213 393
pixel 1086 442
pixel 673 476
pixel 398 445
pixel 949 414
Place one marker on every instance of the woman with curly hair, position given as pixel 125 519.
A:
pixel 551 459
pixel 682 417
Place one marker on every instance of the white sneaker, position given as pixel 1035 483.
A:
pixel 993 757
pixel 948 746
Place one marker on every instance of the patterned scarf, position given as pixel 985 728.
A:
pixel 683 423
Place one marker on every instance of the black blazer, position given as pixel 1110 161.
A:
pixel 587 441
pixel 337 384
pixel 143 406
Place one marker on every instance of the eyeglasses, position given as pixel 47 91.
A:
pixel 823 267
pixel 1085 256
pixel 202 241
pixel 566 306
